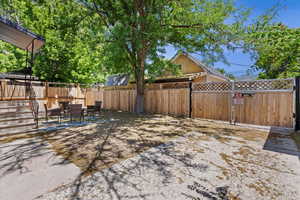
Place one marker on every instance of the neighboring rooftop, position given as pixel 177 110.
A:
pixel 209 70
pixel 117 80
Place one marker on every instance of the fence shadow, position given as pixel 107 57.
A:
pixel 282 141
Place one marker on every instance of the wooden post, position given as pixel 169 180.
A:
pixel 190 98
pixel 3 88
pixel 297 103
pixel 232 106
pixel 46 91
pixel 77 92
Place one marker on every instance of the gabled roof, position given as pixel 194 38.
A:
pixel 206 68
pixel 19 36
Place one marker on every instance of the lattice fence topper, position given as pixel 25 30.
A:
pixel 212 86
pixel 276 84
pixel 258 85
pixel 157 86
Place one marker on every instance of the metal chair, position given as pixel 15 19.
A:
pixel 75 110
pixel 52 112
pixel 90 110
pixel 64 105
pixel 98 105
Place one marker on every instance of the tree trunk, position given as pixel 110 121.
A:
pixel 141 51
pixel 139 77
pixel 139 103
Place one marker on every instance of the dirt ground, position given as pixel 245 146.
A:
pixel 259 160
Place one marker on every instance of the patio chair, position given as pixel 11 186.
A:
pixel 52 112
pixel 91 110
pixel 64 105
pixel 98 105
pixel 76 111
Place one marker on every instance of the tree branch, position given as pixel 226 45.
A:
pixel 184 25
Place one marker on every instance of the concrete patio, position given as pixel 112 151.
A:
pixel 210 160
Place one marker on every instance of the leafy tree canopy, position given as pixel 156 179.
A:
pixel 223 71
pixel 137 32
pixel 277 51
pixel 70 53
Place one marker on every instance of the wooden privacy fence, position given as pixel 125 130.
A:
pixel 167 98
pixel 49 92
pixel 262 102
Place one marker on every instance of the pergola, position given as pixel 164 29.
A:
pixel 30 42
pixel 21 37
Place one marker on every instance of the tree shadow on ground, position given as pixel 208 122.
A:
pixel 95 149
pixel 157 160
pixel 220 193
pixel 13 156
pixel 115 143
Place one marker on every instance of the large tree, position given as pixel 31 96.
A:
pixel 138 31
pixel 277 51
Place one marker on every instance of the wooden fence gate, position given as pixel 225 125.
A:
pixel 260 102
pixel 297 102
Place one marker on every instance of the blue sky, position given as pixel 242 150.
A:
pixel 289 14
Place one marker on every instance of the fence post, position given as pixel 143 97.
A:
pixel 232 106
pixel 297 103
pixel 3 88
pixel 77 92
pixel 46 90
pixel 190 98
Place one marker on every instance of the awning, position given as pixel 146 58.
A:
pixel 18 36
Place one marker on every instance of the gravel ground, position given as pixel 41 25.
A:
pixel 195 167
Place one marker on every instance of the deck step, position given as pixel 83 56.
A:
pixel 20 117
pixel 15 109
pixel 16 117
pixel 8 119
pixel 15 114
pixel 14 106
pixel 5 104
pixel 18 128
pixel 16 122
pixel 8 126
pixel 31 129
pixel 15 101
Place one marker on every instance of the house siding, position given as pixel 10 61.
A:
pixel 200 79
pixel 211 78
pixel 187 65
